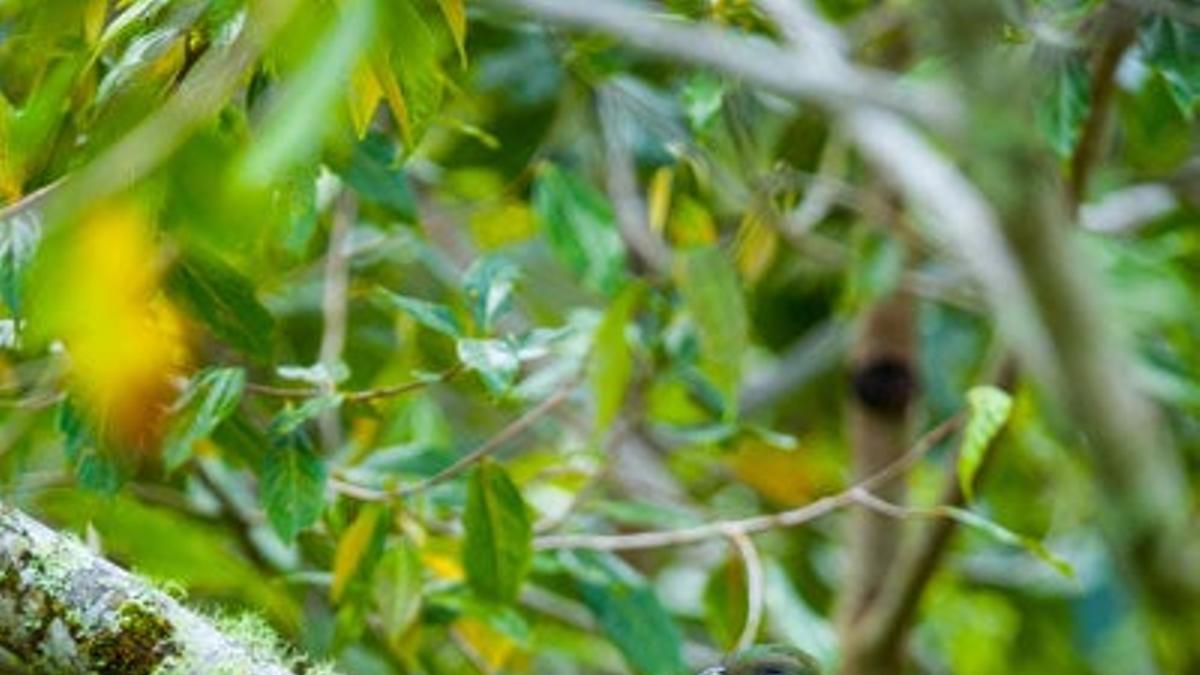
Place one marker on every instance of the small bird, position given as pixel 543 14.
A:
pixel 767 660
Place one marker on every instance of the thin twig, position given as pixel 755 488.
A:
pixel 334 307
pixel 755 596
pixel 359 396
pixel 755 524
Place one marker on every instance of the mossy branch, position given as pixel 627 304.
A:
pixel 63 609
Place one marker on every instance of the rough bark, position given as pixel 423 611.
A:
pixel 65 610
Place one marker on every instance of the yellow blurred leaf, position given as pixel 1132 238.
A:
pixel 94 14
pixel 786 477
pixel 659 202
pixel 126 341
pixel 757 243
pixel 690 224
pixel 456 19
pixel 501 224
pixel 386 78
pixel 442 559
pixel 365 92
pixel 352 547
pixel 494 648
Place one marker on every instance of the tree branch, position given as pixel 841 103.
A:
pixel 66 610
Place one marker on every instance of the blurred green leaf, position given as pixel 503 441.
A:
pixel 19 237
pixel 209 398
pixel 629 612
pixel 414 62
pixel 1173 47
pixel 989 410
pixel 95 467
pixel 292 417
pixel 489 284
pixel 375 173
pixel 611 366
pixel 1064 109
pixel 397 589
pixel 1006 536
pixel 498 544
pixel 713 298
pixel 292 485
pixel 300 115
pixel 223 300
pixel 358 548
pixel 495 360
pixel 579 225
pixel 433 316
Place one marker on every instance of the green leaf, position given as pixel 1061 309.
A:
pixel 300 115
pixel 1007 536
pixel 223 300
pixel 629 612
pixel 292 485
pixel 432 315
pixel 703 96
pixel 711 293
pixel 376 175
pixel 415 62
pixel 95 468
pixel 291 418
pixel 489 284
pixel 397 589
pixel 357 549
pixel 210 397
pixel 1064 109
pixel 498 545
pixel 1173 48
pixel 989 410
pixel 495 360
pixel 455 12
pixel 579 225
pixel 611 365
pixel 19 237
pixel 725 603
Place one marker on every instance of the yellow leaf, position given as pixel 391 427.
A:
pixel 757 243
pixel 659 203
pixel 690 224
pixel 494 648
pixel 352 547
pixel 496 225
pixel 786 477
pixel 94 15
pixel 442 559
pixel 386 78
pixel 364 95
pixel 456 19
pixel 126 342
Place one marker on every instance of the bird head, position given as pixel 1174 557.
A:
pixel 767 660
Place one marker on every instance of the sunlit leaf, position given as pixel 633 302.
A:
pixel 498 545
pixel 433 316
pixel 989 410
pixel 495 360
pixel 353 547
pixel 363 97
pixel 489 284
pixel 397 588
pixel 456 18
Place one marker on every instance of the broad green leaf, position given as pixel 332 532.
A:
pixel 397 589
pixel 210 397
pixel 432 315
pixel 1006 536
pixel 989 410
pixel 713 298
pixel 300 115
pixel 224 300
pixel 292 485
pixel 375 173
pixel 498 544
pixel 628 612
pixel 611 366
pixel 1064 109
pixel 489 284
pixel 725 603
pixel 495 360
pixel 579 225
pixel 353 548
pixel 1173 48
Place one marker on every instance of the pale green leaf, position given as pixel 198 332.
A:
pixel 713 297
pixel 989 410
pixel 210 397
pixel 578 223
pixel 611 366
pixel 432 315
pixel 292 484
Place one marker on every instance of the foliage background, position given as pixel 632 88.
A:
pixel 276 277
